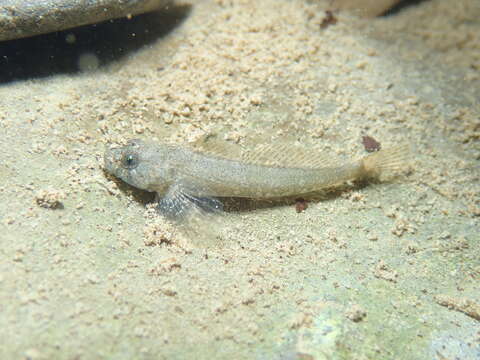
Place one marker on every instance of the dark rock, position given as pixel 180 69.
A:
pixel 23 18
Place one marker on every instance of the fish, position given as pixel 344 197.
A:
pixel 187 179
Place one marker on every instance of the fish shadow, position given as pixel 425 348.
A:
pixel 142 197
pixel 400 6
pixel 52 54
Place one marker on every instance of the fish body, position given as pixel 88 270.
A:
pixel 184 177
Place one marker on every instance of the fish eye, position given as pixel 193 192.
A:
pixel 129 161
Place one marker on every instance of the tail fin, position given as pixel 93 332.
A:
pixel 387 162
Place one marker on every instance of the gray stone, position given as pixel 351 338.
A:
pixel 23 18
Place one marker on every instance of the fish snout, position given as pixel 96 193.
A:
pixel 110 160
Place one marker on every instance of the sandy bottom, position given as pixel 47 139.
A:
pixel 385 271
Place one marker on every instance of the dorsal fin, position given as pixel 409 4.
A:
pixel 211 145
pixel 288 156
pixel 282 155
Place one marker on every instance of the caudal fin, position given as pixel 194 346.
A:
pixel 388 162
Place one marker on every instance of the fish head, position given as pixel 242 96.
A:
pixel 137 163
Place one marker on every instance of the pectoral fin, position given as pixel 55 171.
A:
pixel 180 203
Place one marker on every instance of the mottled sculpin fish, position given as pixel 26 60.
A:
pixel 187 179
